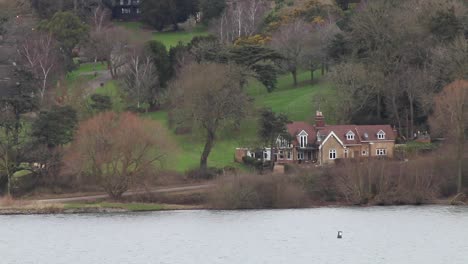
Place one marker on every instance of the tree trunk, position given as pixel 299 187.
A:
pixel 206 151
pixel 312 75
pixel 395 111
pixel 411 128
pixel 294 75
pixel 379 116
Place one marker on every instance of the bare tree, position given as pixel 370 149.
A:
pixel 100 19
pixel 39 52
pixel 111 44
pixel 354 92
pixel 241 18
pixel 450 119
pixel 290 40
pixel 119 149
pixel 209 96
pixel 315 54
pixel 140 77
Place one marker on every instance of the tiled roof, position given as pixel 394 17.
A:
pixel 361 133
pixel 295 128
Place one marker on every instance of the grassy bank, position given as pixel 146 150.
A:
pixel 168 38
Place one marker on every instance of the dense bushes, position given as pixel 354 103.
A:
pixel 393 182
pixel 376 182
pixel 257 191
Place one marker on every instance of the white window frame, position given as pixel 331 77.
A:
pixel 381 135
pixel 332 154
pixel 300 155
pixel 346 153
pixel 126 10
pixel 364 153
pixel 289 155
pixel 303 141
pixel 381 152
pixel 350 136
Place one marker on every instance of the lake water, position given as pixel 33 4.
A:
pixel 400 235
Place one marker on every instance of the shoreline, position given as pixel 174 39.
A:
pixel 65 209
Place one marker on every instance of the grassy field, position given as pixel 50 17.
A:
pixel 296 102
pixel 171 39
pixel 168 38
pixel 299 103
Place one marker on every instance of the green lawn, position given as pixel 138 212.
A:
pixel 297 102
pixel 168 38
pixel 171 39
pixel 112 90
pixel 91 67
pixel 187 156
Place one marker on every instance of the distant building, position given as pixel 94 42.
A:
pixel 127 10
pixel 324 144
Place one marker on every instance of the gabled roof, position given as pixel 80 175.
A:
pixel 295 128
pixel 332 134
pixel 362 133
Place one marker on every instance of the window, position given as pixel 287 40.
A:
pixel 303 141
pixel 283 143
pixel 300 155
pixel 381 135
pixel 126 11
pixel 381 152
pixel 289 155
pixel 364 153
pixel 346 152
pixel 252 154
pixel 332 154
pixel 281 154
pixel 265 155
pixel 138 11
pixel 350 136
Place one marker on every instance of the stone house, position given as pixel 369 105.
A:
pixel 127 10
pixel 325 144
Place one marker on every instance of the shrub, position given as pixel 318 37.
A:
pixel 257 191
pixel 253 162
pixel 207 174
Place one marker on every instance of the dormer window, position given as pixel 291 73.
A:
pixel 381 135
pixel 303 139
pixel 350 136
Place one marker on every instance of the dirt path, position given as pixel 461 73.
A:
pixel 101 77
pixel 129 193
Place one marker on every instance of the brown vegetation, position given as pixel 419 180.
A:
pixel 360 182
pixel 450 120
pixel 257 191
pixel 117 151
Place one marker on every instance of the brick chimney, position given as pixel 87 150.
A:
pixel 319 120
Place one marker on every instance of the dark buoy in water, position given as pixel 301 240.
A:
pixel 340 235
